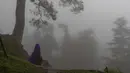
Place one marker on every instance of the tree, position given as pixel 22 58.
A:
pixel 67 38
pixel 47 41
pixel 120 45
pixel 88 49
pixel 42 5
pixel 79 52
pixel 61 62
pixel 20 19
pixel 121 38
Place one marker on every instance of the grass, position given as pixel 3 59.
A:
pixel 17 65
pixel 14 47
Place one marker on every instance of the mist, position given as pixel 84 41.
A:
pixel 71 43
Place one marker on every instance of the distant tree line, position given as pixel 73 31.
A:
pixel 120 46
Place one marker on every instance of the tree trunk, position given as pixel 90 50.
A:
pixel 20 19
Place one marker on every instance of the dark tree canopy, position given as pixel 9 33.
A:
pixel 42 8
pixel 77 5
pixel 46 8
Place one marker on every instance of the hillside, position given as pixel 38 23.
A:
pixel 17 63
pixel 13 46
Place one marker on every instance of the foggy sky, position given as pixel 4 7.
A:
pixel 98 14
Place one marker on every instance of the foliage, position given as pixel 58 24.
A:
pixel 77 5
pixel 87 48
pixel 121 38
pixel 43 8
pixel 78 52
pixel 120 46
pixel 46 8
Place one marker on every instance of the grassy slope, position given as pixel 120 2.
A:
pixel 14 47
pixel 17 65
pixel 17 61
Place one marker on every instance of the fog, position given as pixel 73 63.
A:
pixel 98 15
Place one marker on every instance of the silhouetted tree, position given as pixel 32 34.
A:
pixel 48 43
pixel 121 38
pixel 20 19
pixel 80 52
pixel 86 48
pixel 120 45
pixel 60 62
pixel 66 39
pixel 42 6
